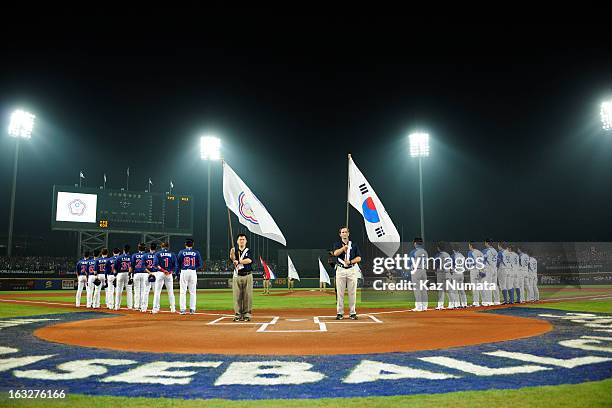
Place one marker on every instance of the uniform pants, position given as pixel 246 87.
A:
pixel 90 290
pixel 476 293
pixel 536 291
pixel 503 278
pixel 419 277
pixel 441 283
pixel 81 283
pixel 162 279
pixel 109 292
pixel 495 281
pixel 140 288
pixel 98 290
pixel 242 290
pixel 188 281
pixel 520 282
pixel 453 295
pixel 346 278
pixel 147 288
pixel 461 297
pixel 121 282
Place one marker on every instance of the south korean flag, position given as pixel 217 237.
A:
pixel 380 228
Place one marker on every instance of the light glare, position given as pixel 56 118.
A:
pixel 606 115
pixel 22 124
pixel 210 148
pixel 419 144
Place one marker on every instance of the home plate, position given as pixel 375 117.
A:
pixel 296 320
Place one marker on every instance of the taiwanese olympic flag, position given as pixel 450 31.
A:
pixel 378 224
pixel 250 211
pixel 267 270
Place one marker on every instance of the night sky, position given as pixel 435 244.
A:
pixel 517 149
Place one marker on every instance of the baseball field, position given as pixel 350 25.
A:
pixel 556 352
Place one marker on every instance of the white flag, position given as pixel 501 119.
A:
pixel 150 182
pixel 81 175
pixel 291 268
pixel 128 172
pixel 380 228
pixel 250 211
pixel 105 177
pixel 171 184
pixel 323 276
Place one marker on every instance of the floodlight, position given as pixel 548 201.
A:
pixel 210 148
pixel 419 144
pixel 22 124
pixel 606 115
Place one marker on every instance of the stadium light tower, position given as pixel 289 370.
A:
pixel 606 115
pixel 419 147
pixel 210 150
pixel 20 127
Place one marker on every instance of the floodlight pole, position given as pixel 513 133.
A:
pixel 208 216
pixel 421 197
pixel 12 214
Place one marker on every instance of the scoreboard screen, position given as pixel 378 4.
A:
pixel 77 208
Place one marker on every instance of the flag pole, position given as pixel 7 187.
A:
pixel 229 220
pixel 348 189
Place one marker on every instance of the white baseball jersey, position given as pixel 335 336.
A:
pixel 490 257
pixel 458 258
pixel 443 257
pixel 533 265
pixel 524 260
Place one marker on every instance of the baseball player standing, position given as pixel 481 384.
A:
pixel 348 256
pixel 522 276
pixel 103 268
pixel 109 293
pixel 189 260
pixel 242 281
pixel 458 278
pixel 503 271
pixel 533 274
pixel 418 260
pixel 167 265
pixel 490 259
pixel 476 276
pixel 92 275
pixel 513 274
pixel 138 271
pixel 443 275
pixel 150 269
pixel 81 272
pixel 122 269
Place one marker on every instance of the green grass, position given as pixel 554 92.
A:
pixel 221 299
pixel 15 310
pixel 589 394
pixel 593 306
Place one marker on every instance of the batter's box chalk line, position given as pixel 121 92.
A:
pixel 320 322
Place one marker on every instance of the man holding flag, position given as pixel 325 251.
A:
pixel 251 213
pixel 347 255
pixel 242 282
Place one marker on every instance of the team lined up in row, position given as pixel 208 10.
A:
pixel 513 274
pixel 137 273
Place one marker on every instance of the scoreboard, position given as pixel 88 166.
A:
pixel 90 209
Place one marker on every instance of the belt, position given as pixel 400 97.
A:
pixel 244 273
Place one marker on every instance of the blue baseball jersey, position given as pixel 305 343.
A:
pixel 166 260
pixel 81 267
pixel 189 258
pixel 122 263
pixel 418 252
pixel 103 265
pixel 91 266
pixel 137 262
pixel 149 260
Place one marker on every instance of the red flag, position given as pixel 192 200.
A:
pixel 268 274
